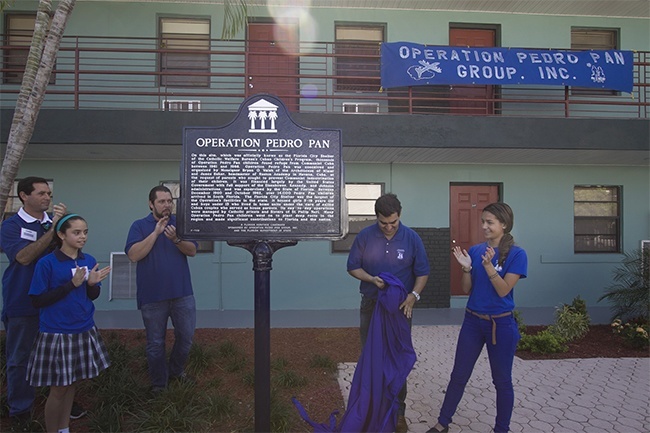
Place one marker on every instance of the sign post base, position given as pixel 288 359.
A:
pixel 262 252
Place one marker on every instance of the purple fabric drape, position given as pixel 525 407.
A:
pixel 385 362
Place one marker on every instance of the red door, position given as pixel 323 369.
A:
pixel 467 203
pixel 272 65
pixel 461 96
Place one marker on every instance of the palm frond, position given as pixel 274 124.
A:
pixel 234 18
pixel 630 293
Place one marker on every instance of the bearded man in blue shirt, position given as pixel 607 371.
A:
pixel 164 288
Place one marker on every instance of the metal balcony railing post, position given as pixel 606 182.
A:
pixel 77 68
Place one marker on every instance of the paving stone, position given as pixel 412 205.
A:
pixel 627 412
pixel 540 426
pixel 599 424
pixel 571 426
pixel 574 416
pixel 630 424
pixel 593 395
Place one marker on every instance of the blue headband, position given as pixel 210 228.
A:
pixel 64 219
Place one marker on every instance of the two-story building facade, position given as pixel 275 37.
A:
pixel 572 162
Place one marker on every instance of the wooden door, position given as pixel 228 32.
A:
pixel 467 203
pixel 461 96
pixel 272 62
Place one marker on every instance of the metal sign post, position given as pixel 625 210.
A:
pixel 262 257
pixel 262 183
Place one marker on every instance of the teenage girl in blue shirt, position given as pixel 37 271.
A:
pixel 68 347
pixel 490 272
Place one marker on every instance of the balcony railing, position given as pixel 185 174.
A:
pixel 137 74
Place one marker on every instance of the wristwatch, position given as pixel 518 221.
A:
pixel 416 294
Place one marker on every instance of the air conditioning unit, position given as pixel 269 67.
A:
pixel 181 105
pixel 123 277
pixel 361 107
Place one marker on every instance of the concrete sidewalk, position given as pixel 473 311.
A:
pixel 551 396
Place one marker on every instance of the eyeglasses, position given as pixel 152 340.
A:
pixel 46 225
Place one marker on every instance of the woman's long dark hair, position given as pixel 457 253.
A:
pixel 504 214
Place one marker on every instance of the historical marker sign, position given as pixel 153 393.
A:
pixel 262 177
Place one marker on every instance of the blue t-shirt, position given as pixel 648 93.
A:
pixel 74 313
pixel 164 273
pixel 15 234
pixel 483 298
pixel 403 256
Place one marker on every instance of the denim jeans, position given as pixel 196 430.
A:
pixel 155 317
pixel 474 334
pixel 20 335
pixel 365 315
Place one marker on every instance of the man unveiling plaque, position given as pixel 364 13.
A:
pixel 262 177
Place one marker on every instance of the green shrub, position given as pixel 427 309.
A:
pixel 579 305
pixel 228 349
pixel 107 417
pixel 249 379
pixel 629 296
pixel 279 364
pixel 236 364
pixel 542 342
pixel 219 406
pixel 570 323
pixel 281 414
pixel 521 326
pixel 635 333
pixel 289 379
pixel 324 362
pixel 199 359
pixel 179 408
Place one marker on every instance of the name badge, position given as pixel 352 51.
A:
pixel 28 234
pixel 74 270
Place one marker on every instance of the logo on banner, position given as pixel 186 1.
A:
pixel 424 71
pixel 262 115
pixel 597 74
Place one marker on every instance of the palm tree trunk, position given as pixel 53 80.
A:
pixel 40 62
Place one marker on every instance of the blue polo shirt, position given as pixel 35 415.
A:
pixel 74 313
pixel 483 298
pixel 403 256
pixel 16 233
pixel 164 273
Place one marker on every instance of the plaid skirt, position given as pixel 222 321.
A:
pixel 63 359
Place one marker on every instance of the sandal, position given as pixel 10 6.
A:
pixel 435 430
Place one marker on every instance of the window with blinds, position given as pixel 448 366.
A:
pixel 357 60
pixel 187 63
pixel 597 219
pixel 593 39
pixel 19 28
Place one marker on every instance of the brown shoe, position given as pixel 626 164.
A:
pixel 402 426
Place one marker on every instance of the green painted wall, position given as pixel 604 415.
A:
pixel 111 195
pixel 99 18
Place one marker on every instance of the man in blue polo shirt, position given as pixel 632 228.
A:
pixel 164 287
pixel 391 247
pixel 25 237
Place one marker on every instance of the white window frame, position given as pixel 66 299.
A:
pixel 361 198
